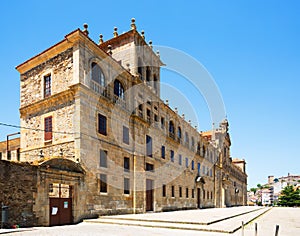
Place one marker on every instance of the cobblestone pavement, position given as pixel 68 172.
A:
pixel 287 218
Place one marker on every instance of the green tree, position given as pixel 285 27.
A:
pixel 289 197
pixel 253 190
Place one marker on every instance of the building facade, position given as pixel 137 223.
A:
pixel 106 142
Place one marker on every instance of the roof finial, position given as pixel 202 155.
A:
pixel 176 110
pixel 157 53
pixel 109 50
pixel 183 116
pixel 85 31
pixel 133 26
pixel 100 39
pixel 150 43
pixel 167 102
pixel 115 32
pixel 143 34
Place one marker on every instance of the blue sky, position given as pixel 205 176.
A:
pixel 251 49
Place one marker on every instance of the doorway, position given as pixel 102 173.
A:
pixel 149 195
pixel 198 197
pixel 60 204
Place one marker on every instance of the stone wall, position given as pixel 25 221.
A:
pixel 17 191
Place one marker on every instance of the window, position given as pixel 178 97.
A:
pixel 172 155
pixel 47 86
pixel 187 192
pixel 97 74
pixel 18 154
pixel 8 155
pixel 149 167
pixel 126 164
pixel 103 183
pixel 207 194
pixel 193 142
pixel 148 112
pixel 140 68
pixel 48 128
pixel 0 155
pixel 155 118
pixel 126 186
pixel 173 191
pixel 164 190
pixel 210 172
pixel 140 110
pixel 162 122
pixel 180 159
pixel 180 191
pixel 102 124
pixel 193 165
pixel 203 194
pixel 211 195
pixel 148 146
pixel 179 133
pixel 186 139
pixel 119 89
pixel 148 74
pixel 103 158
pixel 171 129
pixel 193 193
pixel 155 82
pixel 125 135
pixel 198 168
pixel 163 152
pixel 186 162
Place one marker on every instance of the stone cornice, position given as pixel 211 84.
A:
pixel 54 100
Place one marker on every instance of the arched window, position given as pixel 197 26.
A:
pixel 97 74
pixel 119 89
pixel 148 74
pixel 179 133
pixel 171 127
pixel 193 142
pixel 186 138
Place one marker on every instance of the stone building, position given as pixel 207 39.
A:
pixel 106 143
pixel 10 149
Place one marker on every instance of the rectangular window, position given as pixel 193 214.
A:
pixel 203 194
pixel 186 162
pixel 125 135
pixel 172 155
pixel 47 86
pixel 103 183
pixel 103 158
pixel 207 194
pixel 48 128
pixel 198 168
pixel 164 190
pixel 173 191
pixel 149 167
pixel 163 152
pixel 9 155
pixel 187 192
pixel 126 186
pixel 126 164
pixel 162 122
pixel 193 165
pixel 102 124
pixel 148 146
pixel 180 191
pixel 193 193
pixel 180 159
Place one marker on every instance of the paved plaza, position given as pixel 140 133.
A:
pixel 218 221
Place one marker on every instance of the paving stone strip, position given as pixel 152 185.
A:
pixel 228 225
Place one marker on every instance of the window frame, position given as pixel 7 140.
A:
pixel 47 84
pixel 103 183
pixel 126 186
pixel 102 124
pixel 103 159
pixel 125 135
pixel 126 164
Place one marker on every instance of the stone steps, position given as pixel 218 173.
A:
pixel 228 224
